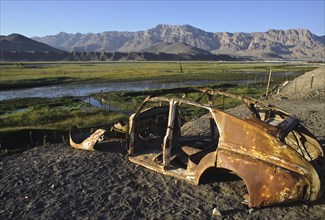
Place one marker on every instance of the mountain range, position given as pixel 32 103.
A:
pixel 279 44
pixel 16 47
pixel 166 42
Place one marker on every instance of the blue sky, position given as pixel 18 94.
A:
pixel 48 17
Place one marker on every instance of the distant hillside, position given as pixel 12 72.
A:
pixel 17 42
pixel 104 56
pixel 277 44
pixel 175 48
pixel 16 47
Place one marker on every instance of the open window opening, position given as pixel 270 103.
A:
pixel 174 135
pixel 195 135
pixel 150 128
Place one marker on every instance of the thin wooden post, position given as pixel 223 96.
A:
pixel 109 102
pixel 180 65
pixel 268 83
pixel 312 80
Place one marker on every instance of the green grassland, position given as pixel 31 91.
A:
pixel 48 120
pixel 21 75
pixel 62 113
pixel 59 114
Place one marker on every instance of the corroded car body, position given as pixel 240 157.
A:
pixel 271 151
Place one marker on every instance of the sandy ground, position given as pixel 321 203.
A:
pixel 58 182
pixel 306 101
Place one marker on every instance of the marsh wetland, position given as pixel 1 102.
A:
pixel 51 96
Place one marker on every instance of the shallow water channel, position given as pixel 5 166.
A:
pixel 87 89
pixel 82 90
pixel 94 102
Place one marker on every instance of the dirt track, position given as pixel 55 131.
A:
pixel 57 182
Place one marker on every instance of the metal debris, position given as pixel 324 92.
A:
pixel 216 212
pixel 271 151
pixel 85 141
pixel 278 159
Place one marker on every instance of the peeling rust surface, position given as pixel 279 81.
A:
pixel 267 185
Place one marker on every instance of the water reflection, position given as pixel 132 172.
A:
pixel 104 106
pixel 87 89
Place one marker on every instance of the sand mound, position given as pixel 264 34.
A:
pixel 310 84
pixel 305 100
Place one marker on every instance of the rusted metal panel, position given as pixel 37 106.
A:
pixel 89 142
pixel 287 126
pixel 266 185
pixel 121 127
pixel 304 143
pixel 251 142
pixel 130 138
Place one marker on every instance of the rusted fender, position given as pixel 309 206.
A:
pixel 266 184
pixel 88 143
pixel 272 171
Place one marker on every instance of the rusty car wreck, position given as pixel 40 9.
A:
pixel 278 159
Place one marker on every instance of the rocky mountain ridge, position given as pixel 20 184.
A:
pixel 286 44
pixel 17 47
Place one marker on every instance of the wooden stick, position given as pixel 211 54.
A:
pixel 268 83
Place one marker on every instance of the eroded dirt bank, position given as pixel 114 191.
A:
pixel 57 182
